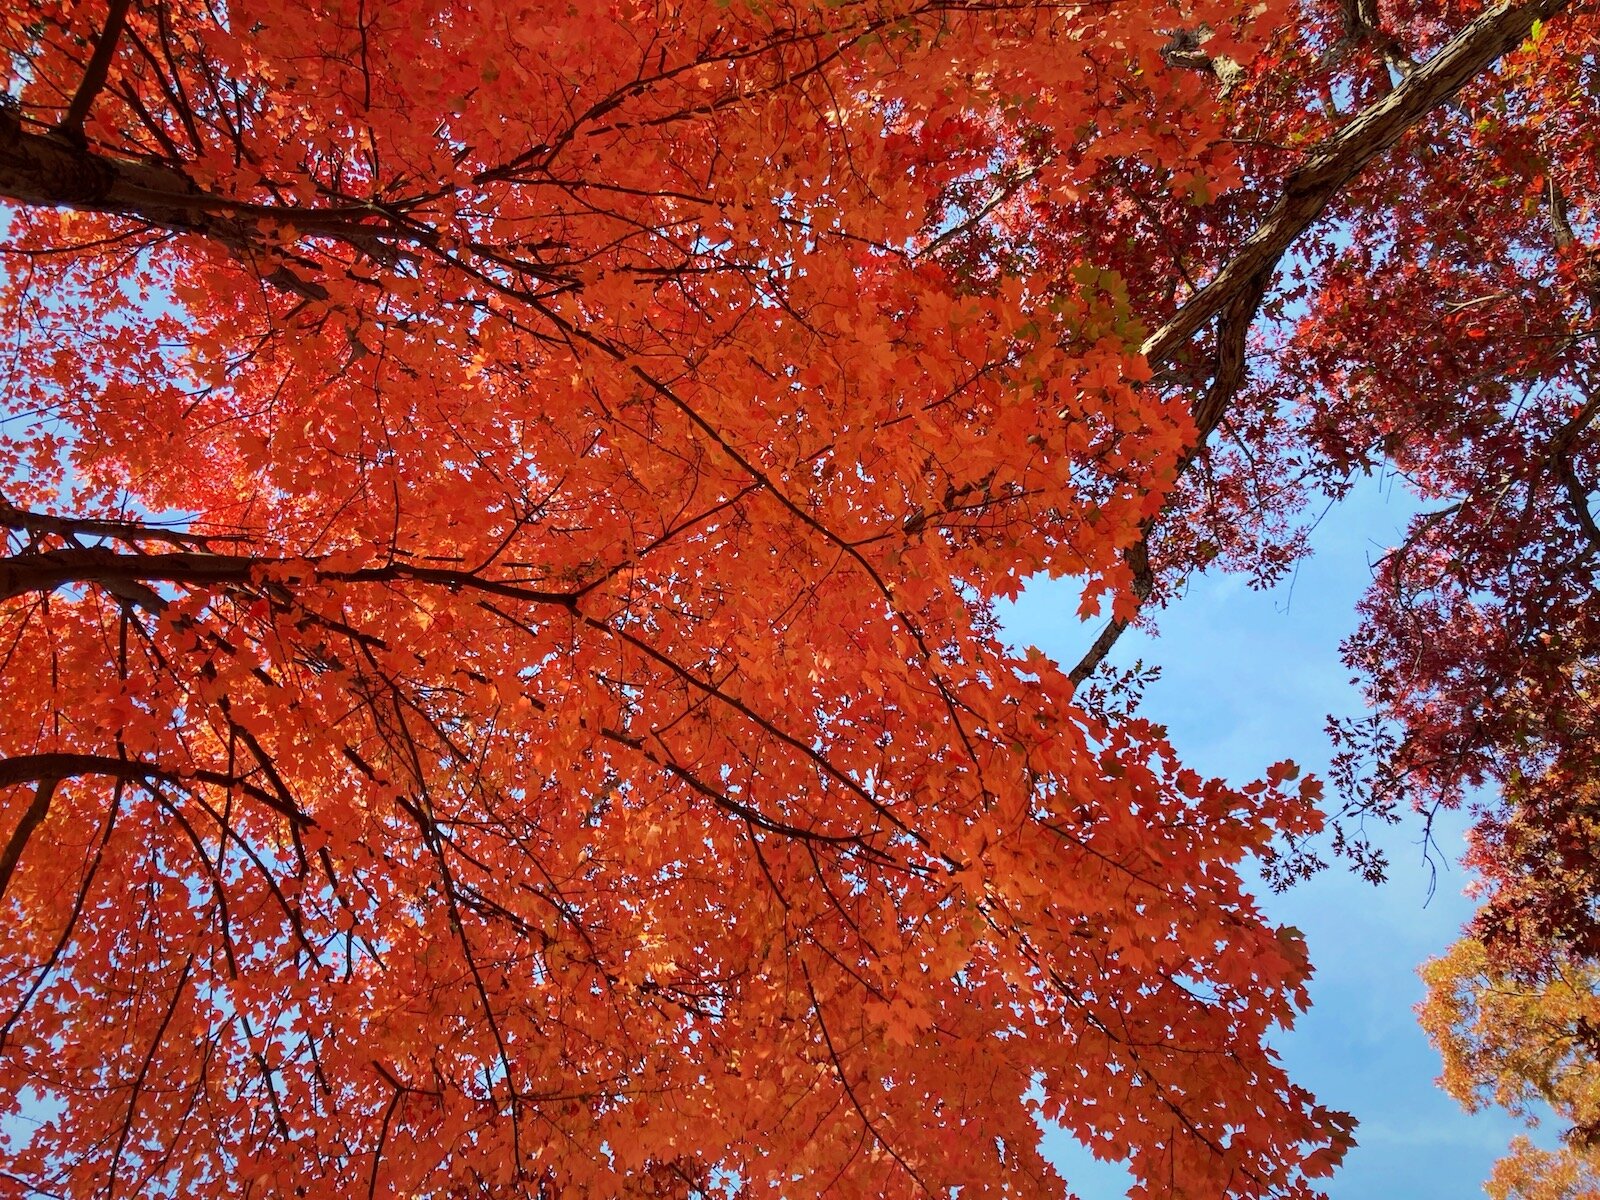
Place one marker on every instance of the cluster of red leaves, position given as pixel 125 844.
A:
pixel 505 510
pixel 567 748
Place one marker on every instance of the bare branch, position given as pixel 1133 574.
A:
pixel 132 532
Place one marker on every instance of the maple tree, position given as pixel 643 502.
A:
pixel 505 510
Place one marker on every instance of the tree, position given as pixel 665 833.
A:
pixel 1523 1043
pixel 1447 335
pixel 505 512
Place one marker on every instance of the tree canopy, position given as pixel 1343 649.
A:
pixel 1531 1046
pixel 505 509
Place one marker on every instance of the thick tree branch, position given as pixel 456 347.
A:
pixel 1558 457
pixel 1343 156
pixel 115 570
pixel 50 170
pixel 1186 49
pixel 53 169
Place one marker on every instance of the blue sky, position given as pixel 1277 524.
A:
pixel 1248 678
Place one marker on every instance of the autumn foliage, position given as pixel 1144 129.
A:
pixel 1528 1044
pixel 505 509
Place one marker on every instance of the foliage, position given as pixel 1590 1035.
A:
pixel 1523 1043
pixel 506 506
pixel 1542 872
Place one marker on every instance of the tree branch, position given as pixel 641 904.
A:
pixel 52 768
pixel 116 571
pixel 1343 156
pixel 132 532
pixel 18 842
pixel 94 75
pixel 55 170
